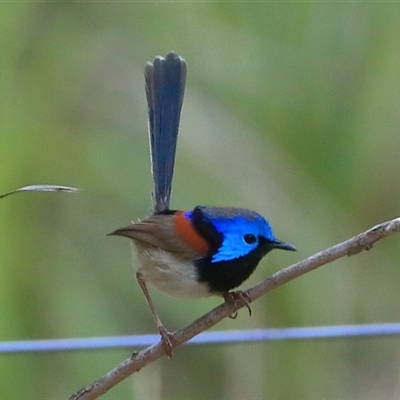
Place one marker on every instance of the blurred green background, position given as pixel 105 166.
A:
pixel 291 109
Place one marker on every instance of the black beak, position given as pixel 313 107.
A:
pixel 278 244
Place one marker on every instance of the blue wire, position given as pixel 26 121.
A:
pixel 222 337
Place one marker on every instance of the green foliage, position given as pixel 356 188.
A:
pixel 291 109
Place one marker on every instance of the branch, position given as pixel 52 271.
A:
pixel 138 360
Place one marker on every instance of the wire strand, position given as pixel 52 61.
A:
pixel 219 337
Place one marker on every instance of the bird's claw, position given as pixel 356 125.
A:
pixel 232 297
pixel 168 340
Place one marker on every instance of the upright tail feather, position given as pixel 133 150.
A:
pixel 165 87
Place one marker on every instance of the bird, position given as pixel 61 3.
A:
pixel 196 253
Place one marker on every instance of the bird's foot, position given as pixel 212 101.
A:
pixel 232 297
pixel 168 340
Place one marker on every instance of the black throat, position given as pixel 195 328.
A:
pixel 223 276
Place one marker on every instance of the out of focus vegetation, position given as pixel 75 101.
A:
pixel 291 109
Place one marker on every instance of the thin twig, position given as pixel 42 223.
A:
pixel 138 360
pixel 41 188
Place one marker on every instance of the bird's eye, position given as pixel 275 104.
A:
pixel 249 238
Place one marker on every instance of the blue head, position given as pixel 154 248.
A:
pixel 238 239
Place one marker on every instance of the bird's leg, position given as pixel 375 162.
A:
pixel 168 339
pixel 231 297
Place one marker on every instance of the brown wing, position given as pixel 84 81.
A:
pixel 158 231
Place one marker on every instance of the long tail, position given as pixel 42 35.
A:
pixel 165 87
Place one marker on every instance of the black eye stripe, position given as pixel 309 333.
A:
pixel 249 238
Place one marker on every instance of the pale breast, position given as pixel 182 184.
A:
pixel 168 274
